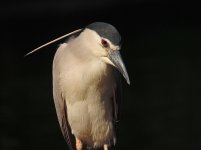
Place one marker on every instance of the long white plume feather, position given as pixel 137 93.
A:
pixel 57 39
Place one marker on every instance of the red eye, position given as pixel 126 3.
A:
pixel 104 43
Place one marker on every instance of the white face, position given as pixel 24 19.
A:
pixel 103 49
pixel 108 47
pixel 99 46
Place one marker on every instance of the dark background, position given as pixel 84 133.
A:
pixel 161 49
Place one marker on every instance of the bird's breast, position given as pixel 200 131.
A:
pixel 88 94
pixel 94 79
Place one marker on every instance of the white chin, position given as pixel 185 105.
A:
pixel 107 61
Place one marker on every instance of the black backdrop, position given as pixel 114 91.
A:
pixel 161 49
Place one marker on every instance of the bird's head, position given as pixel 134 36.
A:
pixel 105 42
pixel 102 39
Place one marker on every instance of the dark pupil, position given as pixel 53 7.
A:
pixel 104 43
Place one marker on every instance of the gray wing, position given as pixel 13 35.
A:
pixel 61 109
pixel 117 97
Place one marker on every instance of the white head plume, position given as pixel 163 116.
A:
pixel 57 39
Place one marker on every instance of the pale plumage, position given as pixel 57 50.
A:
pixel 87 86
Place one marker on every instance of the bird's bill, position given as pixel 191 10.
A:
pixel 115 57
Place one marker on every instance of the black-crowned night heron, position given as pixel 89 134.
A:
pixel 87 86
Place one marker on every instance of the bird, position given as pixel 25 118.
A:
pixel 87 70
